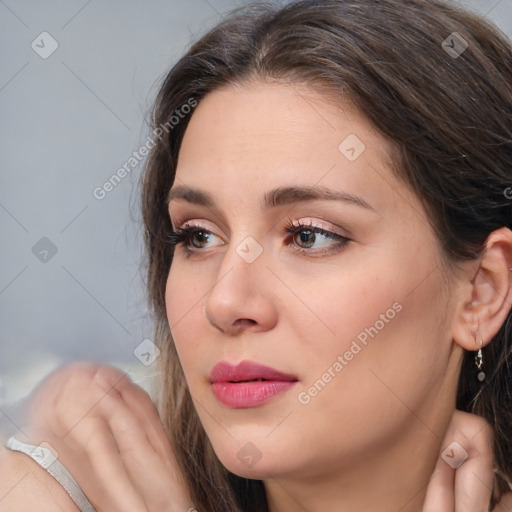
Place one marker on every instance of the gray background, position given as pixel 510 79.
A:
pixel 67 123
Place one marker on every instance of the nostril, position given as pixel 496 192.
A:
pixel 245 321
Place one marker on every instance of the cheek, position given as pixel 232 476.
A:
pixel 184 303
pixel 185 297
pixel 177 291
pixel 387 343
pixel 340 307
pixel 362 327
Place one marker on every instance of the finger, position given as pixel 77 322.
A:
pixel 143 441
pixel 472 490
pixel 129 433
pixel 155 478
pixel 144 409
pixel 468 448
pixel 93 459
pixel 132 439
pixel 474 478
pixel 440 491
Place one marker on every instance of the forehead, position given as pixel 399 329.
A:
pixel 250 139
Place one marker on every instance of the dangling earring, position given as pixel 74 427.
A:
pixel 479 360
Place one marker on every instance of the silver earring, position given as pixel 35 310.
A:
pixel 479 360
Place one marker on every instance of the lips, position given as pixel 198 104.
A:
pixel 248 384
pixel 247 371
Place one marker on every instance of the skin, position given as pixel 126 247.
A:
pixel 381 421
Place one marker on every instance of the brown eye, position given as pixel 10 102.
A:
pixel 192 238
pixel 201 237
pixel 306 237
pixel 315 241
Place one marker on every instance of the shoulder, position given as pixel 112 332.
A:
pixel 24 485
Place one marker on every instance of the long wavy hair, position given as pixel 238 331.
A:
pixel 434 80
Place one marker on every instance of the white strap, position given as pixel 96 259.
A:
pixel 46 459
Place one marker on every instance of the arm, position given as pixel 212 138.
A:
pixel 24 485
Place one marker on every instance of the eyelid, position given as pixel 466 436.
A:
pixel 295 222
pixel 319 224
pixel 193 213
pixel 198 225
pixel 289 223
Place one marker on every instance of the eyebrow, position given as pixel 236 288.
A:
pixel 272 199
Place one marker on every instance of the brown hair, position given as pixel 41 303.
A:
pixel 447 110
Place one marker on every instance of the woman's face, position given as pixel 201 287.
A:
pixel 358 316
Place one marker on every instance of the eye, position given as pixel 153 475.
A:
pixel 306 236
pixel 193 237
pixel 309 239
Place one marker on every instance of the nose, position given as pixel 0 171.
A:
pixel 241 299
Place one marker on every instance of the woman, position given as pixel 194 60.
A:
pixel 331 185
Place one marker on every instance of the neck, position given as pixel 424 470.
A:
pixel 394 477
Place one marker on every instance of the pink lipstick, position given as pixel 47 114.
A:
pixel 248 384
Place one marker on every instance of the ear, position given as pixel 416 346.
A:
pixel 487 295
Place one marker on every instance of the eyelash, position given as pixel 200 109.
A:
pixel 181 235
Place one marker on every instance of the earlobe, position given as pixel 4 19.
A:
pixel 488 298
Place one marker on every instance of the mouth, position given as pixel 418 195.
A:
pixel 247 371
pixel 248 380
pixel 248 384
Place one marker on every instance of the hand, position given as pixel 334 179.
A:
pixel 107 433
pixel 468 487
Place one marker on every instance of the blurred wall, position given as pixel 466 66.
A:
pixel 77 79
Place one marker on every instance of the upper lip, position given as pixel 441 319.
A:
pixel 246 370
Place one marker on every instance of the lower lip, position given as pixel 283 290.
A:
pixel 239 395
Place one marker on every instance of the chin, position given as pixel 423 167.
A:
pixel 260 470
pixel 247 461
pixel 249 473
